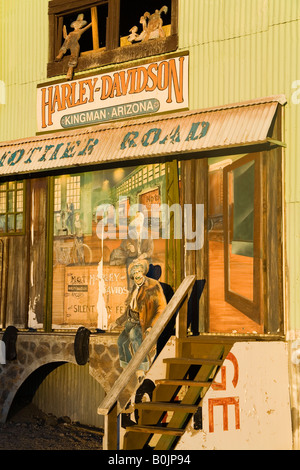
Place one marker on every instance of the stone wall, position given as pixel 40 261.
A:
pixel 35 349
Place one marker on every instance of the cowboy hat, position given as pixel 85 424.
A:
pixel 79 23
pixel 138 263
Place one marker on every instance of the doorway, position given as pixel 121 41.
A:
pixel 234 244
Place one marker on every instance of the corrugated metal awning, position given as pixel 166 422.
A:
pixel 242 124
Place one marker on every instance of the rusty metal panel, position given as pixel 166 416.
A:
pixel 186 132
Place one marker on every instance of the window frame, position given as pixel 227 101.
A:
pixel 112 53
pixel 14 212
pixel 251 308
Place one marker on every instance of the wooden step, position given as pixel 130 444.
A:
pixel 182 382
pixel 218 338
pixel 156 430
pixel 231 338
pixel 193 361
pixel 166 406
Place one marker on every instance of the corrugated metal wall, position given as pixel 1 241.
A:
pixel 23 63
pixel 70 391
pixel 246 49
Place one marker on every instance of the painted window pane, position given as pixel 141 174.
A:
pixel 10 223
pixel 19 207
pixel 11 207
pixel 2 223
pixel 19 223
pixel 11 201
pixel 2 202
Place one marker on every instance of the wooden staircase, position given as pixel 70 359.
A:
pixel 178 396
pixel 175 398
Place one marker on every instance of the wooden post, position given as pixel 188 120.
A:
pixel 95 28
pixel 110 438
pixel 181 320
pixel 195 262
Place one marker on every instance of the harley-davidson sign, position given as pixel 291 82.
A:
pixel 145 89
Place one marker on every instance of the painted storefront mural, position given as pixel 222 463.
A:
pixel 105 220
pixel 101 227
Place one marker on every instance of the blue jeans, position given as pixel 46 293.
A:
pixel 128 343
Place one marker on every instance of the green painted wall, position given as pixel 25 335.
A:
pixel 239 50
pixel 23 63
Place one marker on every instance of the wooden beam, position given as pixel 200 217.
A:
pixel 110 438
pixel 95 32
pixel 156 430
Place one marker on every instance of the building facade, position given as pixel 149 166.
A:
pixel 195 109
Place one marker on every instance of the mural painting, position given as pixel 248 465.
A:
pixel 105 220
pixel 103 223
pixel 145 303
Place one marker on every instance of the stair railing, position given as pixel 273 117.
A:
pixel 109 406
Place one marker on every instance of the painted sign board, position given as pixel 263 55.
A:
pixel 82 290
pixel 159 86
pixel 171 134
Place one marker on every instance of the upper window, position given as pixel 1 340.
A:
pixel 108 31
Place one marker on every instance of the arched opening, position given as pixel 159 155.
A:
pixel 25 394
pixel 61 389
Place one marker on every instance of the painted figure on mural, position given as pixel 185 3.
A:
pixel 138 245
pixel 145 303
pixel 71 42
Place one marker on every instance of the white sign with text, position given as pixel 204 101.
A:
pixel 156 87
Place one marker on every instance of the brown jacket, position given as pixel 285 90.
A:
pixel 151 302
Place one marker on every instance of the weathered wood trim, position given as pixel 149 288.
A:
pixel 3 297
pixel 58 34
pixel 95 28
pixel 195 191
pixel 49 256
pixel 115 56
pixel 51 44
pixel 273 242
pixel 113 20
pixel 110 437
pixel 62 7
pixel 38 246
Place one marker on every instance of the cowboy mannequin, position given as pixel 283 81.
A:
pixel 145 304
pixel 72 42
